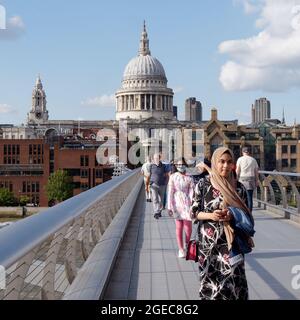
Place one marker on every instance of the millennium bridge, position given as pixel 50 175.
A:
pixel 104 244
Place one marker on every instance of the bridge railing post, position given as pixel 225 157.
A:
pixel 265 196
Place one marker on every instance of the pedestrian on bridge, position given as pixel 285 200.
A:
pixel 158 182
pixel 247 174
pixel 180 196
pixel 145 171
pixel 220 276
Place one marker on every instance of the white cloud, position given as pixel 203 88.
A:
pixel 102 101
pixel 15 28
pixel 178 89
pixel 269 60
pixel 243 117
pixel 250 6
pixel 16 22
pixel 6 109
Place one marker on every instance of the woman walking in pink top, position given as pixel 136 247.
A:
pixel 180 196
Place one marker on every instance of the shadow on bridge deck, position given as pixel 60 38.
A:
pixel 147 267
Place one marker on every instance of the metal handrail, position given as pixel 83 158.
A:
pixel 279 173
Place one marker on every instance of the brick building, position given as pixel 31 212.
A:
pixel 25 166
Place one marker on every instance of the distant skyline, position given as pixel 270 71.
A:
pixel 225 53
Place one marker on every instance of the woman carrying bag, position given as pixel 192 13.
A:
pixel 221 263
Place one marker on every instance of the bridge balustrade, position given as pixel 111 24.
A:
pixel 279 192
pixel 43 254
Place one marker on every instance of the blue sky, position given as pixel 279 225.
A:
pixel 81 48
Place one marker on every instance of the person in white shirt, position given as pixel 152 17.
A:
pixel 247 174
pixel 145 171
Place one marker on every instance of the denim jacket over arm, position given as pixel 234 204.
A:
pixel 243 225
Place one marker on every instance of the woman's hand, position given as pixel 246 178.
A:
pixel 221 215
pixel 200 167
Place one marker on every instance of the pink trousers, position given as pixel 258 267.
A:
pixel 187 227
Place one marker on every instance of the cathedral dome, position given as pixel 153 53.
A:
pixel 144 92
pixel 144 66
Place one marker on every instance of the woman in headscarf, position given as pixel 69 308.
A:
pixel 220 277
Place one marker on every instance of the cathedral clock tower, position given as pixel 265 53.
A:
pixel 38 113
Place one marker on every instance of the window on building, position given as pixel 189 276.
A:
pixel 84 161
pixel 99 173
pixel 52 154
pixel 84 186
pixel 294 149
pixel 284 163
pixel 293 163
pixel 84 173
pixel 284 149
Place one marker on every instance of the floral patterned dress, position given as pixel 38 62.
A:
pixel 219 280
pixel 180 195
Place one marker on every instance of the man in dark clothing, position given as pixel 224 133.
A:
pixel 158 180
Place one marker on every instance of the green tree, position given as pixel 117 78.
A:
pixel 59 187
pixel 24 200
pixel 7 198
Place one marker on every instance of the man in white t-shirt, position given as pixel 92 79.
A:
pixel 247 174
pixel 145 171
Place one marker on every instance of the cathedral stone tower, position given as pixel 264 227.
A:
pixel 144 92
pixel 38 112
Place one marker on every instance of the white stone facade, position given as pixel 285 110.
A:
pixel 18 133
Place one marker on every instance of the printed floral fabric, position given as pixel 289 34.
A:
pixel 180 195
pixel 218 279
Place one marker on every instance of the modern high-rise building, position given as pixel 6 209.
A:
pixel 193 110
pixel 261 110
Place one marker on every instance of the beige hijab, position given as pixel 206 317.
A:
pixel 227 187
